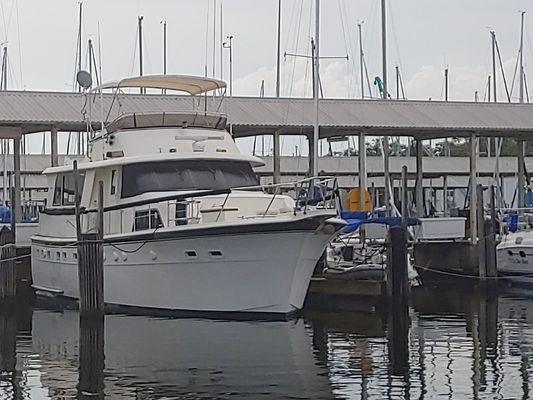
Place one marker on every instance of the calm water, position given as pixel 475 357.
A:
pixel 457 344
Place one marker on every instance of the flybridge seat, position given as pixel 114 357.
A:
pixel 168 119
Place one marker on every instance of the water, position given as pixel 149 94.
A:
pixel 459 344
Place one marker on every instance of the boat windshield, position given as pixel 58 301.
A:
pixel 167 176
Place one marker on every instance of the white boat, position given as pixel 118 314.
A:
pixel 515 256
pixel 186 228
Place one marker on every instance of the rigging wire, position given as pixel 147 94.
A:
pixel 207 21
pixel 19 45
pixel 502 70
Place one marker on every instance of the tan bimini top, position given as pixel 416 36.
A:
pixel 194 85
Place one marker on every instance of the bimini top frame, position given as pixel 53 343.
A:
pixel 194 85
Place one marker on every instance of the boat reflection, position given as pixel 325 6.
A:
pixel 179 357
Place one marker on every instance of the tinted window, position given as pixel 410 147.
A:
pixel 65 188
pixel 185 175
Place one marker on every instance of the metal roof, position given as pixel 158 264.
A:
pixel 39 111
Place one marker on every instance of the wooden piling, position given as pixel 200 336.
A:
pixel 405 198
pixel 398 327
pixel 481 242
pixel 90 258
pixel 8 275
pixel 490 237
pixel 90 271
pixel 398 265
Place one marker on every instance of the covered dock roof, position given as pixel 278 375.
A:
pixel 30 112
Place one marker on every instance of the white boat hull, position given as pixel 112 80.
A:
pixel 515 257
pixel 256 272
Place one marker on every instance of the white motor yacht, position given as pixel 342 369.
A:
pixel 186 225
pixel 515 256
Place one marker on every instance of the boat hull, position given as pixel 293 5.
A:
pixel 266 271
pixel 515 257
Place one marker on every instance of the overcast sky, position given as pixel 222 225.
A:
pixel 424 37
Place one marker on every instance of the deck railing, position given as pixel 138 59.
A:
pixel 185 209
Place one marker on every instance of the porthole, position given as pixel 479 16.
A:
pixel 510 253
pixel 191 253
pixel 522 253
pixel 215 253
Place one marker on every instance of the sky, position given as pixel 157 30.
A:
pixel 424 37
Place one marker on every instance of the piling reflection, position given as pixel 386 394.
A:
pixel 91 358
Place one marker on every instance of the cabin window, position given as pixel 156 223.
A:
pixel 167 176
pixel 147 219
pixel 65 188
pixel 57 191
pixel 181 213
pixel 113 181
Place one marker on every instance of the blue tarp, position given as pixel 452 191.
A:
pixel 5 214
pixel 354 223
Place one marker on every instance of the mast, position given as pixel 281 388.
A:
pixel 386 167
pixel 278 55
pixel 5 143
pixel 384 47
pixel 221 28
pixel 361 59
pixel 521 144
pixel 397 82
pixel 521 79
pixel 446 84
pixel 140 29
pixel 494 81
pixel 79 55
pixel 164 47
pixel 314 171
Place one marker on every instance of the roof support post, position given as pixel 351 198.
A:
pixel 386 174
pixel 419 180
pixel 473 187
pixel 276 162
pixel 54 161
pixel 16 166
pixel 445 195
pixel 521 172
pixel 362 169
pixel 312 155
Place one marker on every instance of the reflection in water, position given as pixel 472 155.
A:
pixel 458 344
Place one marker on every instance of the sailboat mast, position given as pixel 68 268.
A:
pixel 386 166
pixel 384 47
pixel 164 47
pixel 5 143
pixel 521 79
pixel 79 55
pixel 361 60
pixel 494 80
pixel 314 171
pixel 140 29
pixel 278 55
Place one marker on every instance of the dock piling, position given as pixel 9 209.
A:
pixel 397 265
pixel 490 237
pixel 398 330
pixel 90 258
pixel 8 273
pixel 481 240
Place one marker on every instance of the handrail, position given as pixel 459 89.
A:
pixel 204 193
pixel 181 196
